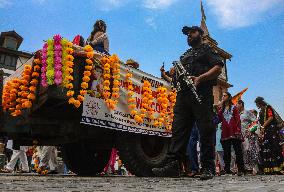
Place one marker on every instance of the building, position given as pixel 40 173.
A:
pixel 10 57
pixel 222 83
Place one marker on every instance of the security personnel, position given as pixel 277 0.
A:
pixel 204 66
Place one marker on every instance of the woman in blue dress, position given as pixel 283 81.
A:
pixel 98 38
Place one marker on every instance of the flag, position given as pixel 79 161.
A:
pixel 238 96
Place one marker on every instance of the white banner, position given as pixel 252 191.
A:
pixel 96 113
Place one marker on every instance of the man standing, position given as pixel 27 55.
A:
pixel 204 66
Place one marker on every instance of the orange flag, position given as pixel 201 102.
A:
pixel 238 96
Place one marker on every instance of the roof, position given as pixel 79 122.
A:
pixel 15 52
pixel 11 34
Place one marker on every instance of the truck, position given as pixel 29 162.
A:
pixel 87 133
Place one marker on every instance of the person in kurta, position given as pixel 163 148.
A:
pixel 98 38
pixel 231 133
pixel 272 158
pixel 251 149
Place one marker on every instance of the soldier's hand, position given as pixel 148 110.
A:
pixel 196 80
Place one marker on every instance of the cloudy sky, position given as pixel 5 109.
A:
pixel 149 31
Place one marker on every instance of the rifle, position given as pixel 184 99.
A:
pixel 182 74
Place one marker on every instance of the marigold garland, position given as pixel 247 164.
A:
pixel 165 118
pixel 85 80
pixel 111 72
pixel 19 93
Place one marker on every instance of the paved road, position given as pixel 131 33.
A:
pixel 55 183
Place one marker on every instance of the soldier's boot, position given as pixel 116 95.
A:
pixel 206 174
pixel 171 169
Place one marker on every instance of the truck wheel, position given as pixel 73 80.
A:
pixel 83 159
pixel 141 153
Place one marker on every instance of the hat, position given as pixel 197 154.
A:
pixel 186 30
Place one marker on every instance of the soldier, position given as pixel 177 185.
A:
pixel 204 66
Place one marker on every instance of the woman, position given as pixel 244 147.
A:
pixel 98 38
pixel 251 149
pixel 272 159
pixel 231 133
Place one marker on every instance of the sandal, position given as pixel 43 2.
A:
pixel 5 170
pixel 192 174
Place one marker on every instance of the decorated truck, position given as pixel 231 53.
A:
pixel 87 103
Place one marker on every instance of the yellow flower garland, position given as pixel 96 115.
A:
pixel 170 115
pixel 165 118
pixel 86 78
pixel 111 65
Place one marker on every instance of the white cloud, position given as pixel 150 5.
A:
pixel 158 4
pixel 107 5
pixel 151 22
pixel 241 13
pixel 5 3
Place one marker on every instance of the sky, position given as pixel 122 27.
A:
pixel 149 31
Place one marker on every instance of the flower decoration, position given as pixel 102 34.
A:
pixel 111 72
pixel 85 80
pixel 19 93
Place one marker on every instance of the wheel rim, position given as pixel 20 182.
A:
pixel 153 146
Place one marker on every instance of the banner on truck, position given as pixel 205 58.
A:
pixel 96 113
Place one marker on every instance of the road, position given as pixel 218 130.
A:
pixel 54 183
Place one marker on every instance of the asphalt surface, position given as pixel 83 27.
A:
pixel 73 183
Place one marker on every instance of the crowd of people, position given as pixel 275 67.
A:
pixel 26 159
pixel 247 142
pixel 44 160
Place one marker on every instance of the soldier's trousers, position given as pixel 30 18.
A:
pixel 187 111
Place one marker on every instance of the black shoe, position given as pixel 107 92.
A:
pixel 241 173
pixel 171 169
pixel 206 175
pixel 229 172
pixel 222 172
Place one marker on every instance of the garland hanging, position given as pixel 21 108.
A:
pixel 85 80
pixel 19 93
pixel 111 72
pixel 164 100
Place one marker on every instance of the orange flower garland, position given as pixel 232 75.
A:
pixel 146 100
pixel 85 80
pixel 111 65
pixel 163 101
pixel 170 115
pixel 10 95
pixel 165 118
pixel 130 93
pixel 19 94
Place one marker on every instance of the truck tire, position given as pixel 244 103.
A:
pixel 83 159
pixel 140 153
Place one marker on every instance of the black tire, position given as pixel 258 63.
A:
pixel 140 153
pixel 84 159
